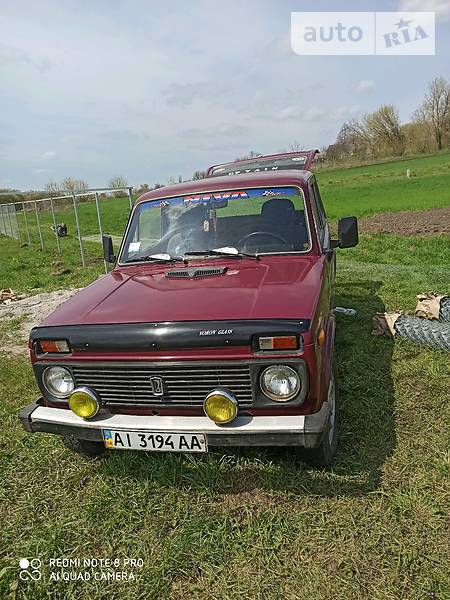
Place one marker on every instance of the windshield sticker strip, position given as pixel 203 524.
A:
pixel 217 196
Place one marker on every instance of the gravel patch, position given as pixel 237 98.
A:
pixel 29 312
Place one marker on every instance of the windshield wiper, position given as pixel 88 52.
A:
pixel 164 258
pixel 219 252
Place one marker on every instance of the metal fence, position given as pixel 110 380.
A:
pixel 8 221
pixel 37 221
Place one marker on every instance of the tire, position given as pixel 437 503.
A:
pixel 83 447
pixel 324 454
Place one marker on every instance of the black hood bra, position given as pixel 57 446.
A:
pixel 170 335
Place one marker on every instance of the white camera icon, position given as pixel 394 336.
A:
pixel 30 569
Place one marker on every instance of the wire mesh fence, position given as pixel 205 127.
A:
pixel 69 223
pixel 8 221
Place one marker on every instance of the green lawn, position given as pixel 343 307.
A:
pixel 257 523
pixel 114 213
pixel 379 188
pixel 29 270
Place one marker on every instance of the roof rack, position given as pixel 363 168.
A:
pixel 271 162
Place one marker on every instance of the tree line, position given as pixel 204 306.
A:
pixel 67 186
pixel 70 185
pixel 381 134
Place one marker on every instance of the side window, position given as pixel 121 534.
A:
pixel 319 215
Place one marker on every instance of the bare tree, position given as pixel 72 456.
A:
pixel 142 189
pixel 251 154
pixel 70 185
pixel 198 175
pixel 173 180
pixel 296 147
pixel 417 137
pixel 384 128
pixel 354 139
pixel 118 182
pixel 435 109
pixel 52 187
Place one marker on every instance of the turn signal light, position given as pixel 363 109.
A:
pixel 281 342
pixel 321 337
pixel 54 346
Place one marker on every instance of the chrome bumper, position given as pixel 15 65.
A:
pixel 289 430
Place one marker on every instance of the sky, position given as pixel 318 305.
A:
pixel 151 89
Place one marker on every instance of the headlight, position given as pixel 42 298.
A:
pixel 84 403
pixel 58 381
pixel 280 383
pixel 220 406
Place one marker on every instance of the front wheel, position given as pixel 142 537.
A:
pixel 324 454
pixel 84 447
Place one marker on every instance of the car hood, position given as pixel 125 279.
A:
pixel 275 287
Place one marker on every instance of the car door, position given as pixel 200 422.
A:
pixel 323 236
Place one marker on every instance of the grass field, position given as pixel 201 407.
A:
pixel 359 191
pixel 254 524
pixel 363 191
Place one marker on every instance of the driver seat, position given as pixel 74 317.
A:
pixel 282 219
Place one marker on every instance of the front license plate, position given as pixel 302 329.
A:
pixel 153 441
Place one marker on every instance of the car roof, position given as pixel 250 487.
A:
pixel 267 179
pixel 301 160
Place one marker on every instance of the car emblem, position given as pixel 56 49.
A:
pixel 156 384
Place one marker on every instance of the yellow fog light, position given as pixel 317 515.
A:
pixel 84 403
pixel 220 406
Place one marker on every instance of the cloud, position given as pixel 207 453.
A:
pixel 278 48
pixel 343 113
pixel 14 57
pixel 183 94
pixel 365 86
pixel 440 7
pixel 298 111
pixel 209 92
pixel 318 115
pixel 314 114
pixel 222 130
pixel 49 155
pixel 290 112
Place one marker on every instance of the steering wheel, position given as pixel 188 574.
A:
pixel 266 234
pixel 181 240
pixel 172 241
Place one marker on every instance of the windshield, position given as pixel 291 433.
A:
pixel 249 221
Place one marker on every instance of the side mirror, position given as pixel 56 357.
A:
pixel 108 250
pixel 347 233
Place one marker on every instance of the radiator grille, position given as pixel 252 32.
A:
pixel 185 384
